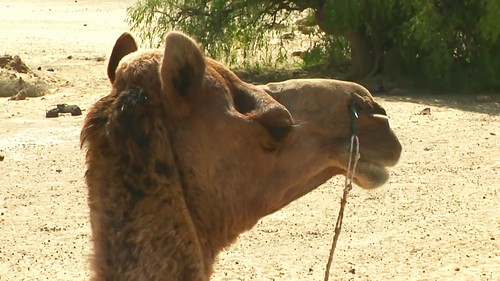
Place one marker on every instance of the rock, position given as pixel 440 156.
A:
pixel 14 85
pixel 2 157
pixel 13 63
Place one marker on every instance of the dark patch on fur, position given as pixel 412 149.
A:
pixel 137 169
pixel 126 129
pixel 136 193
pixel 148 183
pixel 143 141
pixel 161 168
pixel 128 101
pixel 125 159
pixel 167 201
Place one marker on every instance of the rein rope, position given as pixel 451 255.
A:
pixel 354 156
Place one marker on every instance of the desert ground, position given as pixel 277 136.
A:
pixel 438 217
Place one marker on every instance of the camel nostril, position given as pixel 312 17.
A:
pixel 279 132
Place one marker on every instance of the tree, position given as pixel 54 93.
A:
pixel 447 42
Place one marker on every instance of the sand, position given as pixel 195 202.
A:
pixel 438 217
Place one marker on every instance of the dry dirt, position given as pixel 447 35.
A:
pixel 438 218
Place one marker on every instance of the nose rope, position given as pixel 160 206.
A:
pixel 354 156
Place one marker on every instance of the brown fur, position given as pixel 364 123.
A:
pixel 182 156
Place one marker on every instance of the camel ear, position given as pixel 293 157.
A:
pixel 125 44
pixel 182 70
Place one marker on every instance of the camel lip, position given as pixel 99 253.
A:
pixel 370 175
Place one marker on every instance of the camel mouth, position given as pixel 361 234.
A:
pixel 370 175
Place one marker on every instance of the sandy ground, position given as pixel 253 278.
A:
pixel 438 218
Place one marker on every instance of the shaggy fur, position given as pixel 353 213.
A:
pixel 182 156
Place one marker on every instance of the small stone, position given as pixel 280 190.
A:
pixel 70 57
pixel 39 68
pixel 457 269
pixel 58 170
pixel 84 24
pixel 50 69
pixel 352 271
pixel 426 111
pixel 2 157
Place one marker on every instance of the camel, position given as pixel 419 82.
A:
pixel 182 156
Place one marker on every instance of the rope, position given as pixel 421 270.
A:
pixel 351 168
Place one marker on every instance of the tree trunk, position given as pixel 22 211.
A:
pixel 362 57
pixel 362 54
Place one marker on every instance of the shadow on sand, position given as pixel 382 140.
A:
pixel 464 102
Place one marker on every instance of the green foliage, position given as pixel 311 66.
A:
pixel 331 52
pixel 452 43
pixel 232 31
pixel 449 43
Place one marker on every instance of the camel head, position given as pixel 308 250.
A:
pixel 325 108
pixel 183 156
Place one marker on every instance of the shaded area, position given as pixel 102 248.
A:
pixel 264 76
pixel 464 102
pixel 391 89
